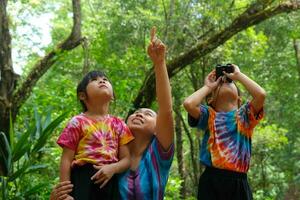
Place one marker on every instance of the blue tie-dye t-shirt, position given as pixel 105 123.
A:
pixel 149 180
pixel 227 139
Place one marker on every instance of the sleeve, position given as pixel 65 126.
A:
pixel 164 158
pixel 125 135
pixel 200 123
pixel 71 134
pixel 247 116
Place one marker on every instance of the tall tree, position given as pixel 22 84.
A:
pixel 254 14
pixel 12 98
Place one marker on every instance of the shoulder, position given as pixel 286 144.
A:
pixel 116 120
pixel 117 123
pixel 158 149
pixel 77 120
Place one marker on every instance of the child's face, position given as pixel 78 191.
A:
pixel 225 91
pixel 143 119
pixel 99 87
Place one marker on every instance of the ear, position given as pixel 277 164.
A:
pixel 82 96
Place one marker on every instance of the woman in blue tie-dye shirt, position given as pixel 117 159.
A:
pixel 152 150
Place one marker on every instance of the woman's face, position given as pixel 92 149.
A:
pixel 143 120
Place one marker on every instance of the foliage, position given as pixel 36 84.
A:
pixel 172 188
pixel 117 33
pixel 22 158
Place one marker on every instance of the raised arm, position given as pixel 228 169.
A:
pixel 191 103
pixel 258 93
pixel 164 121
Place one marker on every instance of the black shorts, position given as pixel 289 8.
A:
pixel 85 189
pixel 219 184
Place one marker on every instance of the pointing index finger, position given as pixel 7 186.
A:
pixel 152 34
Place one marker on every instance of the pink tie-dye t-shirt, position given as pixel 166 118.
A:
pixel 95 141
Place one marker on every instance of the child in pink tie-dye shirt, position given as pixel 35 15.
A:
pixel 94 143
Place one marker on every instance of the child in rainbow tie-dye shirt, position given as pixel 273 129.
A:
pixel 226 145
pixel 94 143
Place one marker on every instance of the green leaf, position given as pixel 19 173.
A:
pixel 34 190
pixel 47 132
pixel 11 131
pixel 22 146
pixel 5 154
pixel 35 168
pixel 18 173
pixel 38 123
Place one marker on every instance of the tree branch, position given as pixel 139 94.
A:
pixel 41 67
pixel 255 14
pixel 297 54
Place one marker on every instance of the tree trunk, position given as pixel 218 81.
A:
pixel 193 151
pixel 7 75
pixel 297 52
pixel 179 148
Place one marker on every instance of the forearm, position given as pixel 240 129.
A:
pixel 251 86
pixel 192 102
pixel 65 164
pixel 258 93
pixel 163 89
pixel 65 170
pixel 121 166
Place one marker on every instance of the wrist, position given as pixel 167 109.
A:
pixel 208 89
pixel 159 62
pixel 239 76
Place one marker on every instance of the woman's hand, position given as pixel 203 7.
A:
pixel 156 49
pixel 61 191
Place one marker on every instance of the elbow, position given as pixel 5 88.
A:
pixel 126 163
pixel 187 105
pixel 262 95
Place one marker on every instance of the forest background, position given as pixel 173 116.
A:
pixel 51 44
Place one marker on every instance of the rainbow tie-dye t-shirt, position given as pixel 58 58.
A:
pixel 95 141
pixel 227 139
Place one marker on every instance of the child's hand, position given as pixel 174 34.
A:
pixel 210 80
pixel 156 49
pixel 235 74
pixel 104 174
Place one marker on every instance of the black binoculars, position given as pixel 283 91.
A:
pixel 228 68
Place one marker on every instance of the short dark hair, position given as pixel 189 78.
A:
pixel 81 87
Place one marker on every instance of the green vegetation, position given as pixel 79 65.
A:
pixel 117 36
